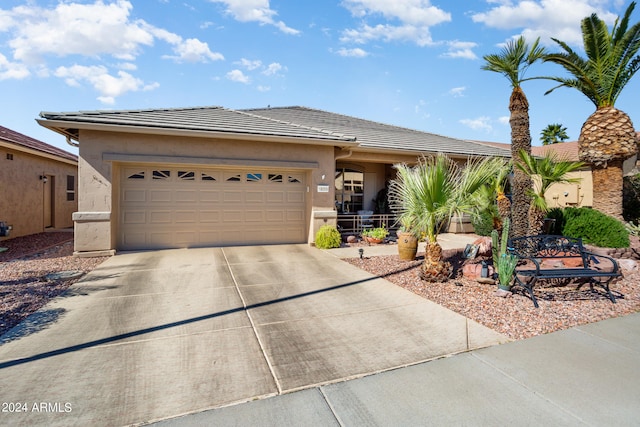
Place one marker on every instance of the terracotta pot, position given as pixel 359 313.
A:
pixel 373 240
pixel 407 246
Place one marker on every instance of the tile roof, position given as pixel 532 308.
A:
pixel 564 150
pixel 376 135
pixel 295 122
pixel 204 119
pixel 17 138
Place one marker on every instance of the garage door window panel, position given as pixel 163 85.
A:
pixel 161 174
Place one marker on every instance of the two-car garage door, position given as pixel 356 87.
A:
pixel 172 207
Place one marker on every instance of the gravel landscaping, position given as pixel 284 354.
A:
pixel 24 285
pixel 561 305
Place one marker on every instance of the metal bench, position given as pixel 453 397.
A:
pixel 546 257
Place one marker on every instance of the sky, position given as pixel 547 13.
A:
pixel 410 63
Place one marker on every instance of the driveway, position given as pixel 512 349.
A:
pixel 152 335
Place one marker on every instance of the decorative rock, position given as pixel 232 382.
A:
pixel 63 275
pixel 628 265
pixel 484 246
pixel 474 271
pixel 486 280
pixel 502 293
pixel 352 239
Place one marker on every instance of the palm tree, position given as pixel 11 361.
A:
pixel 513 62
pixel 607 137
pixel 546 171
pixel 428 194
pixel 553 134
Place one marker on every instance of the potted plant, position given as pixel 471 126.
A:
pixel 407 239
pixel 375 235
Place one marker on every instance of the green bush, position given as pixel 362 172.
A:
pixel 482 222
pixel 328 237
pixel 594 228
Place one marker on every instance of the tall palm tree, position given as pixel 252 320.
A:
pixel 428 194
pixel 513 62
pixel 553 134
pixel 607 137
pixel 546 171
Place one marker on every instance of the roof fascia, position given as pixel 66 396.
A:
pixel 27 150
pixel 61 127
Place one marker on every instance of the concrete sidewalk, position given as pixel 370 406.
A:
pixel 588 375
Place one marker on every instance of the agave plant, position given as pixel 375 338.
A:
pixel 428 194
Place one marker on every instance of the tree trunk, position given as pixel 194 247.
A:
pixel 434 268
pixel 520 140
pixel 607 188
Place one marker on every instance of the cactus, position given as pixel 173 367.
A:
pixel 506 266
pixel 499 248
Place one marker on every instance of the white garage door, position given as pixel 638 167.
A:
pixel 173 207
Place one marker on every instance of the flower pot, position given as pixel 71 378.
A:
pixel 372 240
pixel 407 246
pixel 504 287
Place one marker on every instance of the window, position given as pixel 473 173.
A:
pixel 71 188
pixel 206 177
pixel 234 178
pixel 275 177
pixel 254 177
pixel 136 175
pixel 9 156
pixel 349 184
pixel 161 174
pixel 186 175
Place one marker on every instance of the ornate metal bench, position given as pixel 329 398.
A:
pixel 560 257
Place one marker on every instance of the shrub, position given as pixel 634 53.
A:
pixel 594 228
pixel 482 222
pixel 328 237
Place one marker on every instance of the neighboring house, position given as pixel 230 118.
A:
pixel 562 195
pixel 211 176
pixel 38 184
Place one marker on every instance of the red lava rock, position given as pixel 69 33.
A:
pixel 474 271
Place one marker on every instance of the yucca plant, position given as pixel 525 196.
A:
pixel 545 171
pixel 428 194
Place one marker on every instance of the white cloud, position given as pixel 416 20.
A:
pixel 193 50
pixel 249 64
pixel 273 69
pixel 503 120
pixel 458 49
pixel 255 11
pixel 457 92
pixel 545 18
pixel 353 53
pixel 480 124
pixel 39 35
pixel 98 76
pixel 238 76
pixel 410 20
pixel 263 88
pixel 12 70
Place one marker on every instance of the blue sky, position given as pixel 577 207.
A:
pixel 412 63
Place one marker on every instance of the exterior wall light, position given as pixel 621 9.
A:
pixel 44 178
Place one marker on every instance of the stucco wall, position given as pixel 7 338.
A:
pixel 98 187
pixel 577 195
pixel 22 195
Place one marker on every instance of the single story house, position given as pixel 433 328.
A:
pixel 38 185
pixel 213 176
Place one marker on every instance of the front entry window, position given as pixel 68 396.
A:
pixel 349 190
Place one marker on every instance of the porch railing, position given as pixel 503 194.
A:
pixel 356 224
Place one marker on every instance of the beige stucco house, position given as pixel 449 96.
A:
pixel 38 184
pixel 212 176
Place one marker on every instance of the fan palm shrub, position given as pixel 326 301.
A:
pixel 427 195
pixel 548 170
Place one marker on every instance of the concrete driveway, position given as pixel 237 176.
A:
pixel 152 335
